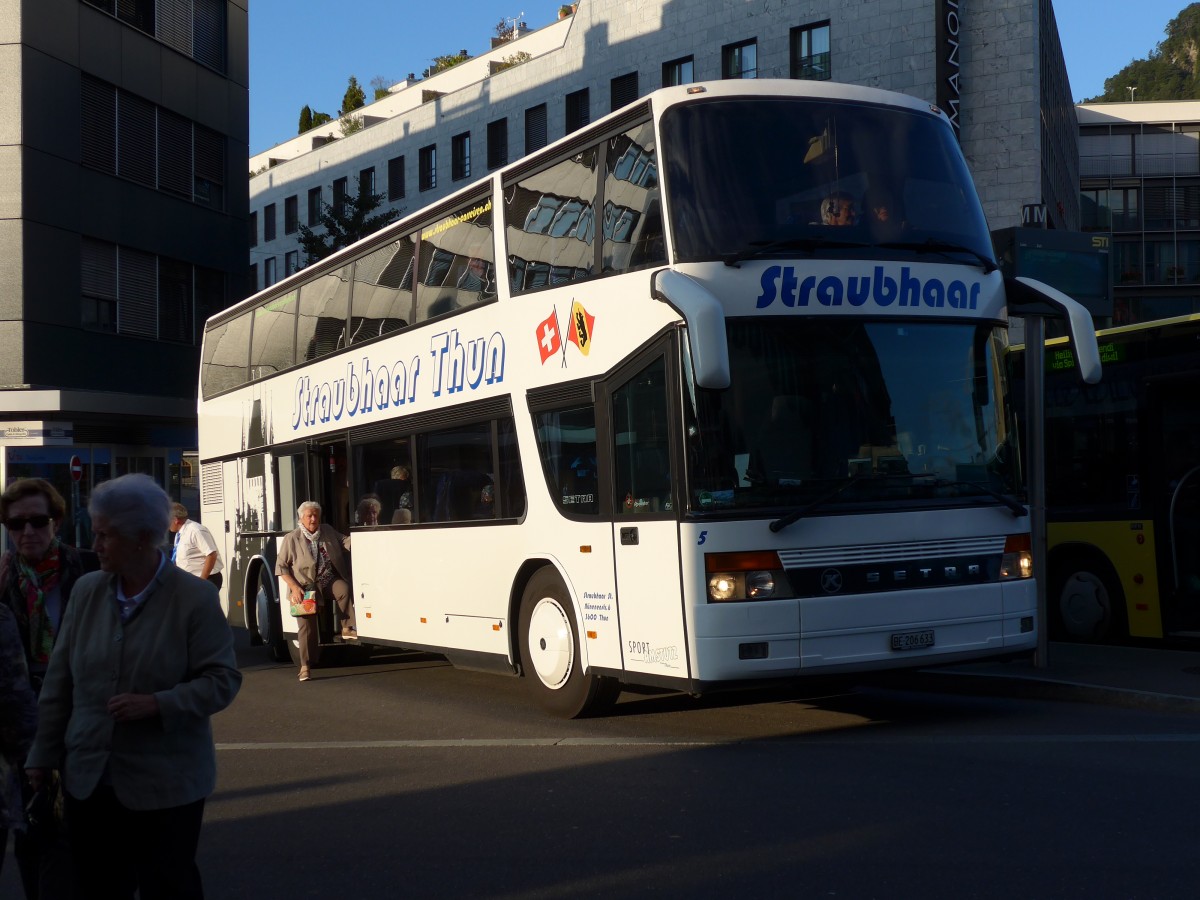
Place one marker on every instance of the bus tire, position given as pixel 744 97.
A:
pixel 1085 600
pixel 550 654
pixel 268 619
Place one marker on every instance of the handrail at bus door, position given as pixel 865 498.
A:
pixel 1171 519
pixel 705 318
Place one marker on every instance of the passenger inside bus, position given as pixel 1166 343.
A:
pixel 839 210
pixel 368 509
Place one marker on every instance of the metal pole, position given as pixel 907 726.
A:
pixel 1035 425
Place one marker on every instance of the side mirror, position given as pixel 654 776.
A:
pixel 705 318
pixel 1030 297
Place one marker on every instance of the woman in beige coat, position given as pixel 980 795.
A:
pixel 315 557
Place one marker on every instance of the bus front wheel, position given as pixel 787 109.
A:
pixel 1086 602
pixel 550 651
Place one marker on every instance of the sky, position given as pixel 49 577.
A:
pixel 304 51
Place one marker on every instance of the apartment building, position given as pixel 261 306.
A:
pixel 996 68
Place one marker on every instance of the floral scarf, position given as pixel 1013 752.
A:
pixel 34 582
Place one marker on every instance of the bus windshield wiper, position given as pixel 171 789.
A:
pixel 1013 506
pixel 797 514
pixel 943 247
pixel 808 245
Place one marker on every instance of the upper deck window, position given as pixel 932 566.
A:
pixel 758 177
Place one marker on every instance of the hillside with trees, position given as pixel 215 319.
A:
pixel 1171 72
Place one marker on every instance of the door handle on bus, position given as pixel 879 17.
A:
pixel 629 537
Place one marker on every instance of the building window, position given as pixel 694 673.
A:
pixel 291 262
pixel 623 90
pixel 460 156
pixel 577 110
pixel 396 178
pixel 314 207
pixel 427 168
pixel 269 272
pixel 131 292
pixel 157 148
pixel 740 60
pixel 366 182
pixel 195 28
pixel 810 52
pixel 678 71
pixel 535 128
pixel 291 214
pixel 253 223
pixel 339 197
pixel 269 222
pixel 497 143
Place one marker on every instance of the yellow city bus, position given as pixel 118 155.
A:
pixel 1123 485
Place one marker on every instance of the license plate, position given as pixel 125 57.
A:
pixel 912 640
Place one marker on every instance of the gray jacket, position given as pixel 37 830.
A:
pixel 296 558
pixel 178 647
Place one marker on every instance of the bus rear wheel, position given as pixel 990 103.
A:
pixel 268 619
pixel 1086 602
pixel 550 652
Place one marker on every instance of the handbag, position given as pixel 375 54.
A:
pixel 307 605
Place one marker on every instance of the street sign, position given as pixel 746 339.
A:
pixel 76 468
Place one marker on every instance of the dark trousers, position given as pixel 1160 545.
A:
pixel 216 579
pixel 118 851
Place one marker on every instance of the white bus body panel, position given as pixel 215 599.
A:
pixel 853 631
pixel 652 621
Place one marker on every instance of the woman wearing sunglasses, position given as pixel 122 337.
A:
pixel 36 578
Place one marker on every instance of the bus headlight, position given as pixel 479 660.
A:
pixel 1017 561
pixel 734 577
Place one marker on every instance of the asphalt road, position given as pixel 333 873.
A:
pixel 407 778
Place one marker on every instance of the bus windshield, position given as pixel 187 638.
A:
pixel 888 412
pixel 787 177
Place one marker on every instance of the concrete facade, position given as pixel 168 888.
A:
pixel 1017 119
pixel 95 362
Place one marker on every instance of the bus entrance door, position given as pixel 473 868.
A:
pixel 646 529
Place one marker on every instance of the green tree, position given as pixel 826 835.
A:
pixel 354 221
pixel 1171 71
pixel 310 120
pixel 354 98
pixel 380 85
pixel 442 63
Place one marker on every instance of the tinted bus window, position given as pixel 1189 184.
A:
pixel 323 307
pixel 271 347
pixel 226 352
pixel 457 262
pixel 383 295
pixel 551 224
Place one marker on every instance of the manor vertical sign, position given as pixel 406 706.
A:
pixel 949 62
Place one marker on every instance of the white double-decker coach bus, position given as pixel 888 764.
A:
pixel 709 391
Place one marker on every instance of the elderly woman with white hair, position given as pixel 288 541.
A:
pixel 315 557
pixel 143 659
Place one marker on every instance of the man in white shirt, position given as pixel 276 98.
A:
pixel 195 550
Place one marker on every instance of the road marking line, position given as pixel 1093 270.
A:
pixel 809 740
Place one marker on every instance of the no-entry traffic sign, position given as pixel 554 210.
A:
pixel 76 468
